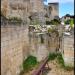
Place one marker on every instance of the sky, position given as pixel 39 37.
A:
pixel 65 6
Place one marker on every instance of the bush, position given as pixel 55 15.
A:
pixel 48 22
pixel 67 22
pixel 53 31
pixel 52 56
pixel 62 64
pixel 35 22
pixel 60 60
pixel 15 19
pixel 29 63
pixel 55 22
pixel 72 22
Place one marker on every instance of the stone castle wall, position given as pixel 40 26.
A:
pixel 23 9
pixel 41 44
pixel 14 48
pixel 68 50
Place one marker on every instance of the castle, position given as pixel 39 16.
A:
pixel 29 10
pixel 52 11
pixel 23 9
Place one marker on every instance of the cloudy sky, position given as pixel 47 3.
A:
pixel 65 6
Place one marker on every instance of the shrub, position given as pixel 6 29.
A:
pixel 55 22
pixel 48 22
pixel 67 22
pixel 60 60
pixel 35 22
pixel 15 19
pixel 72 22
pixel 29 63
pixel 62 64
pixel 53 31
pixel 49 30
pixel 52 56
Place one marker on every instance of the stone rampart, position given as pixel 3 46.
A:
pixel 14 48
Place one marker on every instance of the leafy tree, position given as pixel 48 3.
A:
pixel 55 22
pixel 68 15
pixel 72 22
pixel 67 22
pixel 48 22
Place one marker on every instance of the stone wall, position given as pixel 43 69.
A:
pixel 42 43
pixel 68 49
pixel 23 9
pixel 14 48
pixel 17 43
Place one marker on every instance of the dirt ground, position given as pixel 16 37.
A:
pixel 55 69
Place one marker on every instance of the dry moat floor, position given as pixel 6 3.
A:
pixel 55 69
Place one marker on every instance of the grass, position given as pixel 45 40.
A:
pixel 60 60
pixel 29 63
pixel 52 56
pixel 62 64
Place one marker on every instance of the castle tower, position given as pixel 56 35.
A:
pixel 53 10
pixel 37 10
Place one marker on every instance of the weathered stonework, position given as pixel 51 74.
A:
pixel 24 9
pixel 14 49
pixel 43 43
pixel 68 49
pixel 52 11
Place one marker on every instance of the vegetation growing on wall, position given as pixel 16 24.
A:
pixel 60 60
pixel 52 56
pixel 29 63
pixel 35 22
pixel 53 31
pixel 53 22
pixel 62 64
pixel 15 19
pixel 48 22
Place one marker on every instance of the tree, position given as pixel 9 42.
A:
pixel 48 22
pixel 68 15
pixel 72 22
pixel 55 22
